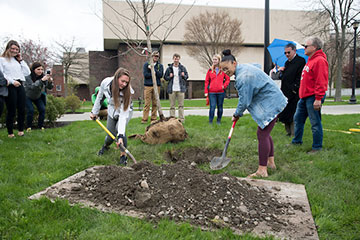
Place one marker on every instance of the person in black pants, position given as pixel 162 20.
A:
pixel 3 91
pixel 290 76
pixel 14 69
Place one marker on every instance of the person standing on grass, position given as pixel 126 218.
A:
pixel 313 86
pixel 35 84
pixel 290 76
pixel 177 75
pixel 117 90
pixel 216 82
pixel 3 91
pixel 149 93
pixel 14 69
pixel 260 95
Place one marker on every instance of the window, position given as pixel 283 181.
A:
pixel 58 88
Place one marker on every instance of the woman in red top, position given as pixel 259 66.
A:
pixel 216 82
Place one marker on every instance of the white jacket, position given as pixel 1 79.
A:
pixel 122 115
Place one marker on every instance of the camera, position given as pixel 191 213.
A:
pixel 48 72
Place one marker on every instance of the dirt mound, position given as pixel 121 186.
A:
pixel 180 192
pixel 164 131
pixel 192 155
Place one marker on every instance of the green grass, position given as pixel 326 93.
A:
pixel 40 159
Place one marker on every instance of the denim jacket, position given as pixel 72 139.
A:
pixel 259 94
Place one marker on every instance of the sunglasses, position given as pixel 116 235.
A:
pixel 286 53
pixel 306 46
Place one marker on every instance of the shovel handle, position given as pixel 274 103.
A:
pixel 113 137
pixel 229 138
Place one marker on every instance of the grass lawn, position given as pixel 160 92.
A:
pixel 32 163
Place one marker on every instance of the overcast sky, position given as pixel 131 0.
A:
pixel 51 20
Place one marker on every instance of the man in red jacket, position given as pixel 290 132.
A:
pixel 313 85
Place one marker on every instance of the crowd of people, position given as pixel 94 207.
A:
pixel 20 87
pixel 302 92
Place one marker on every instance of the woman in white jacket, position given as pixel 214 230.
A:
pixel 14 69
pixel 118 91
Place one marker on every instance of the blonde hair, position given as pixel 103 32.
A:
pixel 6 52
pixel 126 90
pixel 218 56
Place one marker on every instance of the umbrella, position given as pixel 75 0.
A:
pixel 276 50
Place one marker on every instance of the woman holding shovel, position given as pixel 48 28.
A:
pixel 259 95
pixel 118 91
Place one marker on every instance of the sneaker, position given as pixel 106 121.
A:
pixel 102 150
pixel 28 130
pixel 123 160
pixel 313 151
pixel 143 122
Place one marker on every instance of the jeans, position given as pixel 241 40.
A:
pixel 40 105
pixel 306 109
pixel 216 99
pixel 180 98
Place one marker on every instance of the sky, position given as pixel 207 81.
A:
pixel 48 21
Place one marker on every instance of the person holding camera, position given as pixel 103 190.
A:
pixel 35 85
pixel 14 69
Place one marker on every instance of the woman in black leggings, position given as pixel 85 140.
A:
pixel 14 69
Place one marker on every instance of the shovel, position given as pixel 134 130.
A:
pixel 122 148
pixel 221 162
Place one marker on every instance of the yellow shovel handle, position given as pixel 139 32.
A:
pixel 106 130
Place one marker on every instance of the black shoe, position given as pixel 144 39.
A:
pixel 102 150
pixel 123 160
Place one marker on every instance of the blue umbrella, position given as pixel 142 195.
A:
pixel 276 50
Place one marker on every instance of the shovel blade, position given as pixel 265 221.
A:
pixel 219 163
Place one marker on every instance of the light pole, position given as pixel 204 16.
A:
pixel 352 100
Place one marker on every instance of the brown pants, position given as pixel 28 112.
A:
pixel 149 96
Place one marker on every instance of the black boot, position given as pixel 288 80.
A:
pixel 123 160
pixel 102 150
pixel 288 129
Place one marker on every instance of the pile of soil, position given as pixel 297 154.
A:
pixel 182 192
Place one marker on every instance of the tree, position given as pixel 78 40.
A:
pixel 36 52
pixel 341 14
pixel 211 32
pixel 139 18
pixel 69 55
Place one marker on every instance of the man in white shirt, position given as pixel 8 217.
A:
pixel 177 75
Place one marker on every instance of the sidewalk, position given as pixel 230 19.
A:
pixel 228 112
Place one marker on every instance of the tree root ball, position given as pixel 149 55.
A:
pixel 163 131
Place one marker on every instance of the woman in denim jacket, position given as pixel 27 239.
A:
pixel 258 94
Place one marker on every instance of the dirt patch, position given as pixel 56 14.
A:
pixel 192 155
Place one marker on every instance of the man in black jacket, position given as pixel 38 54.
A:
pixel 290 82
pixel 177 75
pixel 149 94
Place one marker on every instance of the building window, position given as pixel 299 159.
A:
pixel 58 88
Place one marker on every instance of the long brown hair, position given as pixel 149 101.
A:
pixel 6 52
pixel 126 91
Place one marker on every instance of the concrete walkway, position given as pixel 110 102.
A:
pixel 331 110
